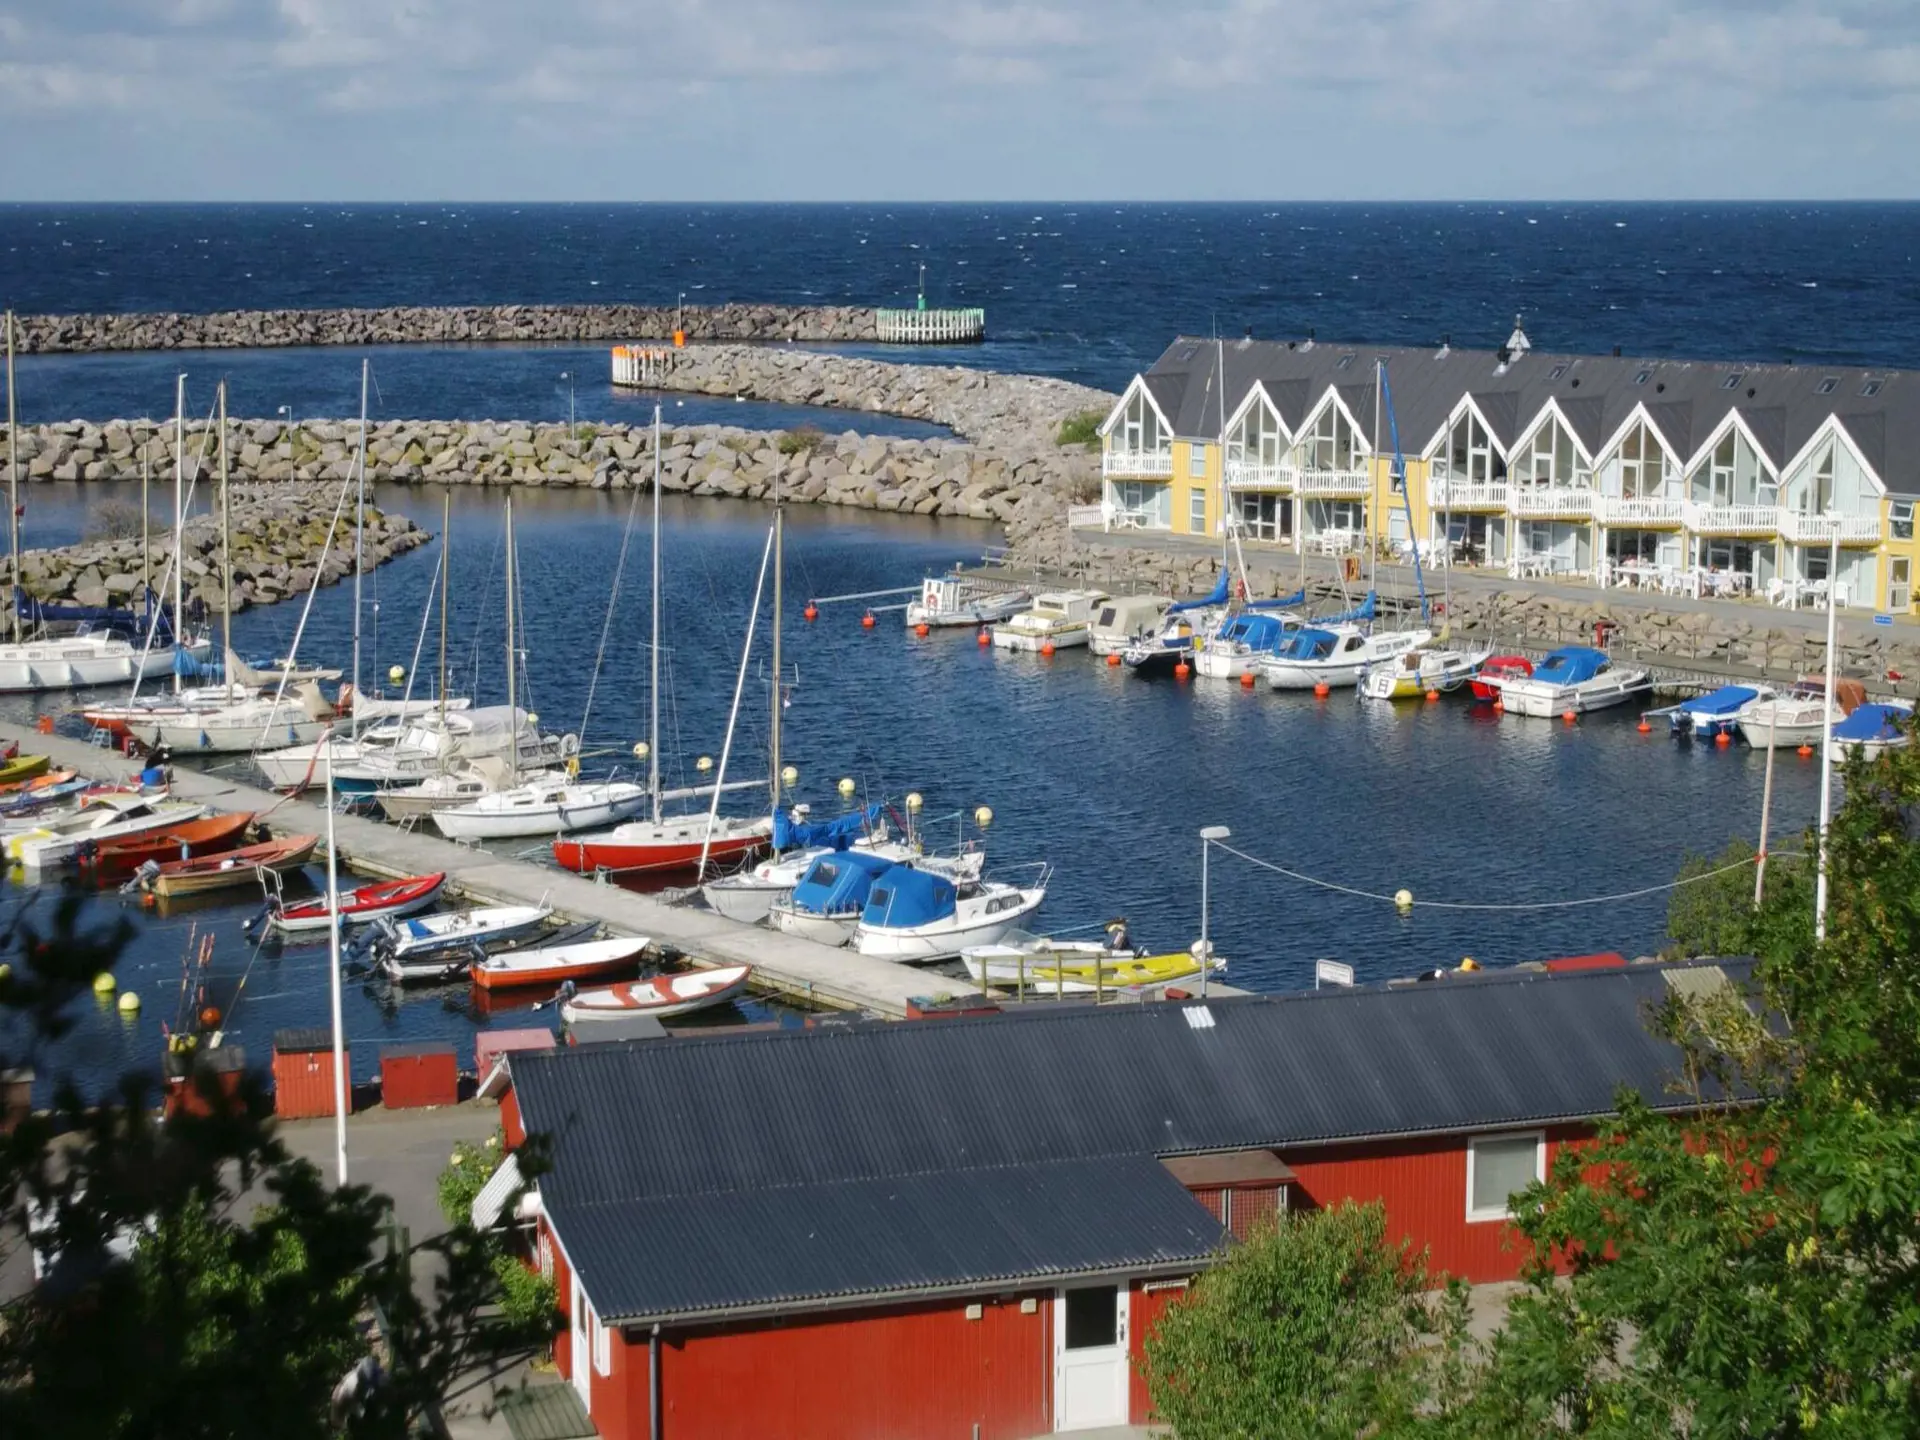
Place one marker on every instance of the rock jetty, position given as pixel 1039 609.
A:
pixel 421 324
pixel 279 536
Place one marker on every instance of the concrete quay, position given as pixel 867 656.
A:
pixel 784 965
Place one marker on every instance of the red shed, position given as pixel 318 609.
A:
pixel 303 1074
pixel 874 1230
pixel 418 1076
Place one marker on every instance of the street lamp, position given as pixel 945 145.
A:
pixel 679 307
pixel 287 410
pixel 1208 838
pixel 573 440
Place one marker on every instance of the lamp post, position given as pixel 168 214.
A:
pixel 1826 742
pixel 573 442
pixel 679 313
pixel 287 411
pixel 1208 836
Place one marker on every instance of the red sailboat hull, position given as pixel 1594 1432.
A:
pixel 583 857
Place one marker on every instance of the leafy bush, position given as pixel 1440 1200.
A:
pixel 112 520
pixel 801 437
pixel 466 1174
pixel 1080 429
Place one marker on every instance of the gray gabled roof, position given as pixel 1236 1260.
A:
pixel 712 1126
pixel 1688 399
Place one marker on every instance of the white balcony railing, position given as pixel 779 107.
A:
pixel 1638 510
pixel 1734 519
pixel 1541 500
pixel 1819 529
pixel 1330 484
pixel 1446 493
pixel 1087 517
pixel 1253 475
pixel 1136 462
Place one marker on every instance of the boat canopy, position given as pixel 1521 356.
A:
pixel 837 883
pixel 1218 597
pixel 907 897
pixel 1724 701
pixel 1872 722
pixel 1256 632
pixel 1308 644
pixel 1570 664
pixel 839 832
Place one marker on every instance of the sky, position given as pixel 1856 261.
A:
pixel 894 100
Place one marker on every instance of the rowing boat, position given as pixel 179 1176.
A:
pixel 22 767
pixel 660 996
pixel 1079 968
pixel 360 906
pixel 235 867
pixel 208 835
pixel 552 964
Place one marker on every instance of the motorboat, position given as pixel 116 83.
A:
pixel 556 964
pixel 298 717
pixel 108 817
pixel 1077 967
pixel 1716 713
pixel 1163 651
pixel 1425 670
pixel 1335 657
pixel 827 902
pixel 797 842
pixel 406 949
pixel 1058 618
pixel 1124 619
pixel 1574 678
pixel 363 905
pixel 915 914
pixel 953 600
pixel 661 996
pixel 1871 730
pixel 1495 671
pixel 1800 715
pixel 546 806
pixel 172 878
pixel 674 842
pixel 1241 643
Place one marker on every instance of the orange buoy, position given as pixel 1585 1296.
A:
pixel 866 621
pixel 811 613
pixel 983 638
pixel 1321 690
pixel 1046 648
pixel 923 630
pixel 1804 751
pixel 1113 660
pixel 1643 727
pixel 1569 716
pixel 1246 679
pixel 1432 695
pixel 209 1017
pixel 1499 706
pixel 1723 738
pixel 44 724
pixel 1182 670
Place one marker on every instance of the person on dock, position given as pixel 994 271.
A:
pixel 1117 938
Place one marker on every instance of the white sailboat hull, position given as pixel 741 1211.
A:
pixel 83 662
pixel 219 734
pixel 1287 675
pixel 945 938
pixel 541 810
pixel 1061 637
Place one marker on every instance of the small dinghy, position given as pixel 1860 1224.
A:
pixel 552 964
pixel 1717 713
pixel 401 941
pixel 23 767
pixel 360 906
pixel 218 872
pixel 1078 967
pixel 660 996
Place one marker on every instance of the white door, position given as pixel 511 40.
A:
pixel 581 1349
pixel 1090 1357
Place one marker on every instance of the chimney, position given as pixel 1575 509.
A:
pixel 1309 344
pixel 1616 352
pixel 1446 347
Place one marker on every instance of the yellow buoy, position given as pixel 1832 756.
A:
pixel 641 750
pixel 1403 899
pixel 532 718
pixel 397 674
pixel 914 800
pixel 847 787
pixel 104 983
pixel 129 1003
pixel 703 764
pixel 983 817
pixel 789 777
pixel 6 972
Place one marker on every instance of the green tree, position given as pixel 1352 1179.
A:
pixel 1315 1326
pixel 229 1317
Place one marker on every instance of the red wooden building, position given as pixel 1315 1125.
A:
pixel 968 1229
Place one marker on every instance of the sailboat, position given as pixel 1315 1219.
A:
pixel 665 842
pixel 111 646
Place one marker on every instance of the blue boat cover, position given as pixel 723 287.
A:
pixel 837 883
pixel 133 623
pixel 1872 722
pixel 1218 597
pixel 1282 602
pixel 839 832
pixel 1309 644
pixel 1724 701
pixel 1569 665
pixel 1361 612
pixel 908 897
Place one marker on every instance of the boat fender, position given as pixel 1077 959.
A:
pixel 259 917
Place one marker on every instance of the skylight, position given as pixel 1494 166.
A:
pixel 1643 377
pixel 1733 380
pixel 1556 372
pixel 1346 362
pixel 1828 385
pixel 1870 389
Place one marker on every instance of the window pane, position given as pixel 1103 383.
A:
pixel 1501 1168
pixel 1091 1318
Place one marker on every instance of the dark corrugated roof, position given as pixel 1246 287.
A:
pixel 645 1260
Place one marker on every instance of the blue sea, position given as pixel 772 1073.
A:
pixel 1104 776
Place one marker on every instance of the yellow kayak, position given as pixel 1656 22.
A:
pixel 1077 969
pixel 23 767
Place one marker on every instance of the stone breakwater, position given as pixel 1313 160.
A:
pixel 422 324
pixel 279 534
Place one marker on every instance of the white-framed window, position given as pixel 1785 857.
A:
pixel 1140 426
pixel 1332 445
pixel 1900 519
pixel 546 1254
pixel 1196 512
pixel 1500 1167
pixel 1196 462
pixel 1552 458
pixel 602 1345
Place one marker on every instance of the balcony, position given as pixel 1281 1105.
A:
pixel 1111 516
pixel 1638 510
pixel 1799 529
pixel 1540 502
pixel 1253 475
pixel 1755 520
pixel 1136 462
pixel 1447 493
pixel 1329 484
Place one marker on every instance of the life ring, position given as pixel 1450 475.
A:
pixel 1350 567
pixel 569 746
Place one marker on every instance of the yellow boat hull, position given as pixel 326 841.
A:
pixel 1112 972
pixel 24 767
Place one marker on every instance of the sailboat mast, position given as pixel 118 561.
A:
pixel 226 552
pixel 359 529
pixel 773 729
pixel 146 516
pixel 179 519
pixel 653 680
pixel 446 596
pixel 513 713
pixel 13 480
pixel 1373 479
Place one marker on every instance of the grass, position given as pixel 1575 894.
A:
pixel 1080 429
pixel 801 437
